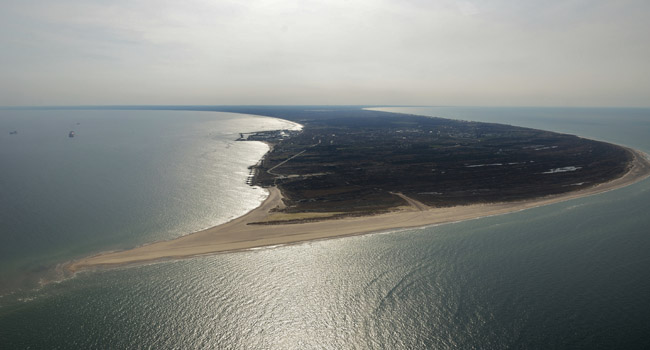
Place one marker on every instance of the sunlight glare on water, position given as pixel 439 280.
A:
pixel 568 275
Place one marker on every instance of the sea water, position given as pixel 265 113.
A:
pixel 569 275
pixel 124 179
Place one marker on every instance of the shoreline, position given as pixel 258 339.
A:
pixel 238 235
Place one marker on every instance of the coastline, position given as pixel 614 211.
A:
pixel 238 235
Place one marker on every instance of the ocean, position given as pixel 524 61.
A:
pixel 572 275
pixel 125 178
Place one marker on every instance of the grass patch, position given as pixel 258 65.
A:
pixel 300 216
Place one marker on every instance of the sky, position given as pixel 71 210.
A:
pixel 365 52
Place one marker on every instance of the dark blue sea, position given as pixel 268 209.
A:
pixel 573 275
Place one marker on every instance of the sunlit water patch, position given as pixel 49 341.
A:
pixel 569 275
pixel 124 179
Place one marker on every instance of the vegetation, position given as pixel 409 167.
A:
pixel 352 161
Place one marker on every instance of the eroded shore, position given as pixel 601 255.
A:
pixel 238 234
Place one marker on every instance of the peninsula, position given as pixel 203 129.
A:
pixel 353 171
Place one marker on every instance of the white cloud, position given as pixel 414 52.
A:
pixel 467 8
pixel 385 51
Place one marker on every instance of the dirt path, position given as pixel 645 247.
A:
pixel 412 202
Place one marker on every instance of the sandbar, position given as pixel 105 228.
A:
pixel 238 234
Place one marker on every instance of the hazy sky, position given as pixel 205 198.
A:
pixel 473 52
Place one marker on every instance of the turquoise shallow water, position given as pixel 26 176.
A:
pixel 572 275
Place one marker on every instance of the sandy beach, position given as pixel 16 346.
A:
pixel 238 234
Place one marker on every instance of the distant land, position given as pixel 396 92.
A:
pixel 351 171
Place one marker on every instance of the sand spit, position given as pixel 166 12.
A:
pixel 238 235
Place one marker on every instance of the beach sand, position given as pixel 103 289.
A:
pixel 238 234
